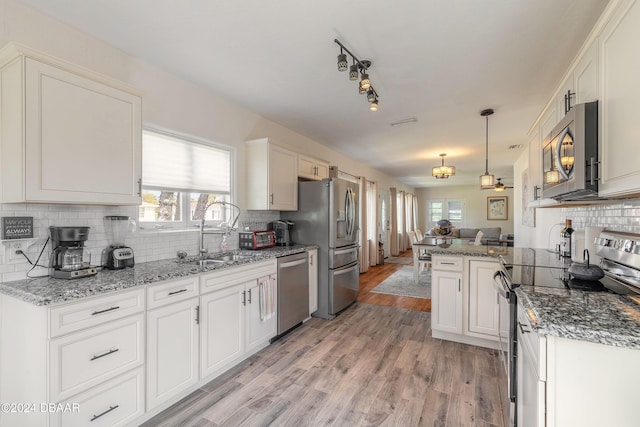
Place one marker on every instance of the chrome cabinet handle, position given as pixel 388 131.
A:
pixel 522 329
pixel 197 315
pixel 459 285
pixel 536 189
pixel 271 198
pixel 249 296
pixel 140 187
pixel 448 263
pixel 106 310
pixel 244 297
pixel 177 292
pixel 111 408
pixel 113 350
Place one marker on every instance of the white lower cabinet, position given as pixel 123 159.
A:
pixel 172 346
pixel 115 403
pixel 81 360
pixel 231 324
pixel 446 301
pixel 531 375
pixel 464 304
pixel 86 361
pixel 483 300
pixel 222 328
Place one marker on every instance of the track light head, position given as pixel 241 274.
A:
pixel 353 72
pixel 374 105
pixel 364 82
pixel 371 95
pixel 342 62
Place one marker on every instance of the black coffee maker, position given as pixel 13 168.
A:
pixel 282 227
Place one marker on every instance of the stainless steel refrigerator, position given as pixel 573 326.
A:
pixel 327 216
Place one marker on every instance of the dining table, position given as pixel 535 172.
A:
pixel 428 242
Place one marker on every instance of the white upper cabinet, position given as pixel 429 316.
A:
pixel 272 177
pixel 581 85
pixel 311 168
pixel 620 102
pixel 68 135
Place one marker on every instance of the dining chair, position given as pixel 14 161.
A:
pixel 419 234
pixel 423 257
pixel 478 241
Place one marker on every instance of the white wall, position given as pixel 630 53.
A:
pixel 475 201
pixel 168 103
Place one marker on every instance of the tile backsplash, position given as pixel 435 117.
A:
pixel 621 216
pixel 148 245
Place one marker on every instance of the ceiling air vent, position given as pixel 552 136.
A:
pixel 404 121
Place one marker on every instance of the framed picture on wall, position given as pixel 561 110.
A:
pixel 497 208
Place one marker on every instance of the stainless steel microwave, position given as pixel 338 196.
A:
pixel 570 155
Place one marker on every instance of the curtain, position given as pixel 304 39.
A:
pixel 372 221
pixel 363 254
pixel 393 220
pixel 415 213
pixel 401 231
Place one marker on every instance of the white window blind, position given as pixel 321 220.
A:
pixel 174 164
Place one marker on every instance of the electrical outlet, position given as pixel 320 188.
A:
pixel 15 250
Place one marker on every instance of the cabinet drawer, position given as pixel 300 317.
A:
pixel 173 291
pixel 76 316
pixel 84 359
pixel 115 403
pixel 447 263
pixel 234 275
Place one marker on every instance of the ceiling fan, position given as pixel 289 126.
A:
pixel 499 186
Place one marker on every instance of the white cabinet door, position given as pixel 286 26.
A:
pixel 306 167
pixel 283 181
pixel 83 139
pixel 620 102
pixel 483 299
pixel 535 167
pixel 259 331
pixel 311 168
pixel 222 328
pixel 531 391
pixel 446 302
pixel 585 76
pixel 313 281
pixel 172 350
pixel 272 177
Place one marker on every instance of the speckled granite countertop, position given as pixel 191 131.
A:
pixel 47 290
pixel 597 317
pixel 460 247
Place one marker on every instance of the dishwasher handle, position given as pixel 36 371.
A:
pixel 292 263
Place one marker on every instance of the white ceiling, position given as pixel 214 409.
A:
pixel 439 61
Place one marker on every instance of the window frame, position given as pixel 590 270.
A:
pixel 186 222
pixel 445 211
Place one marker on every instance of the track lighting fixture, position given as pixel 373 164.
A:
pixel 358 70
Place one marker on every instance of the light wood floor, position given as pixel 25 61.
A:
pixel 373 365
pixel 376 275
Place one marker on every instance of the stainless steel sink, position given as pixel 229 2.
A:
pixel 223 259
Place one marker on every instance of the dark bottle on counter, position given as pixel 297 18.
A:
pixel 565 242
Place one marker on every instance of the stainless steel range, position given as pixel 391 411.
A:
pixel 542 268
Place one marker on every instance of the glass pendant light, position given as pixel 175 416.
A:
pixel 487 181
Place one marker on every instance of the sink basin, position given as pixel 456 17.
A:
pixel 223 259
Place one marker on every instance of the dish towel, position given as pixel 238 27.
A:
pixel 267 292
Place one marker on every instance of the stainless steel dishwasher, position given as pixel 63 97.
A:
pixel 293 290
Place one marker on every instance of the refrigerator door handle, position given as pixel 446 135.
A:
pixel 345 271
pixel 345 251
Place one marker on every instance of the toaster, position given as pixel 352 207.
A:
pixel 253 240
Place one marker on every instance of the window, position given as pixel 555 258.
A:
pixel 453 210
pixel 181 177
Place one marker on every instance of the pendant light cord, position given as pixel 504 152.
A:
pixel 486 150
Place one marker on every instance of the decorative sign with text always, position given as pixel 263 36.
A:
pixel 17 227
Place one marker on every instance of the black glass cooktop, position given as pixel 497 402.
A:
pixel 542 268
